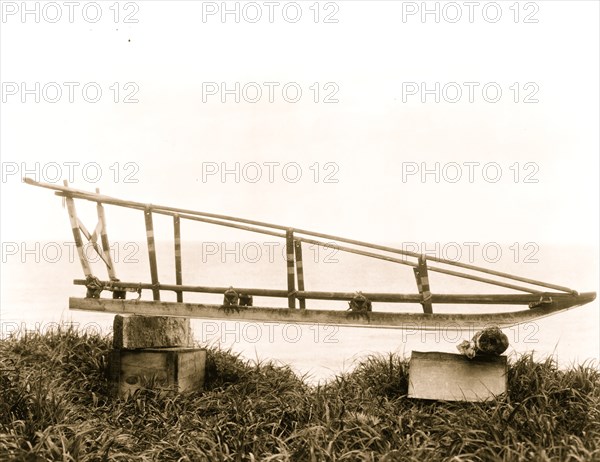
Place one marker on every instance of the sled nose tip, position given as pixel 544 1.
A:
pixel 587 297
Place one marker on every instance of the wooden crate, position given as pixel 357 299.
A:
pixel 453 377
pixel 179 368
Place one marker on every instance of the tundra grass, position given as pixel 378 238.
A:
pixel 55 405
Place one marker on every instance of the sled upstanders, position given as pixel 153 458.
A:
pixel 538 298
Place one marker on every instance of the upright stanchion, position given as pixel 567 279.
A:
pixel 423 285
pixel 110 268
pixel 85 265
pixel 289 245
pixel 178 273
pixel 299 271
pixel 152 253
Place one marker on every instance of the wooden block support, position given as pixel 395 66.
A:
pixel 133 331
pixel 179 368
pixel 452 377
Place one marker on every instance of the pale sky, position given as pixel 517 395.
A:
pixel 374 142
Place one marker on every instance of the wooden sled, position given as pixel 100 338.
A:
pixel 538 298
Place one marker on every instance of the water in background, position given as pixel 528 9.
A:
pixel 37 281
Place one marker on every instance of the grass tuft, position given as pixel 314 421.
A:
pixel 55 405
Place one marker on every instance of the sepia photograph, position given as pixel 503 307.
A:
pixel 303 230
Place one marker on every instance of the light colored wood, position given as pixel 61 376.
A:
pixel 408 321
pixel 300 271
pixel 436 269
pixel 178 270
pixel 291 272
pixel 480 299
pixel 452 377
pixel 85 265
pixel 135 331
pixel 152 253
pixel 65 191
pixel 423 285
pixel 182 369
pixel 104 239
pixel 93 239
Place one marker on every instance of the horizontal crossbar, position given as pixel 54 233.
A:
pixel 482 299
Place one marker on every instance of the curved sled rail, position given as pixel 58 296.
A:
pixel 397 320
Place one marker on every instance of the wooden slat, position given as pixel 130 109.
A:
pixel 453 377
pixel 459 264
pixel 423 285
pixel 85 265
pixel 178 270
pixel 197 289
pixel 92 238
pixel 223 223
pixel 431 268
pixel 454 299
pixel 412 321
pixel 180 368
pixel 370 254
pixel 104 239
pixel 367 254
pixel 291 275
pixel 300 271
pixel 171 210
pixel 152 253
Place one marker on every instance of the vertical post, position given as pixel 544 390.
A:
pixel 289 246
pixel 178 275
pixel 85 265
pixel 152 253
pixel 423 284
pixel 300 271
pixel 104 239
